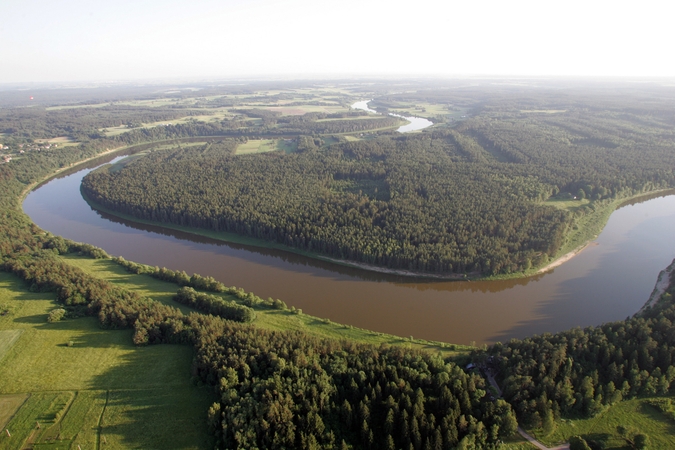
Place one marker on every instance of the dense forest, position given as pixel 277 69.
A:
pixel 476 186
pixel 469 199
pixel 277 389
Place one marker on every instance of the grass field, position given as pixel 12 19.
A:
pixel 73 374
pixel 429 110
pixel 265 145
pixel 63 141
pixel 7 340
pixel 542 111
pixel 371 117
pixel 217 114
pixel 256 146
pixel 298 110
pixel 636 415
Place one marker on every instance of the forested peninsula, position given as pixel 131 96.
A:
pixel 499 193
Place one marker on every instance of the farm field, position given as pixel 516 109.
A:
pixel 261 146
pixel 61 140
pixel 217 115
pixel 83 384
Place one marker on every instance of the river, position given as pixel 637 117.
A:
pixel 609 280
pixel 416 123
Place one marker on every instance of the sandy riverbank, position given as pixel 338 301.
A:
pixel 662 283
pixel 566 257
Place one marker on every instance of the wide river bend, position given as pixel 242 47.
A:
pixel 609 280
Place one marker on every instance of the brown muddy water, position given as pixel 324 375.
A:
pixel 608 281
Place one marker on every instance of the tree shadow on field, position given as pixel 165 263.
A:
pixel 34 319
pixel 152 403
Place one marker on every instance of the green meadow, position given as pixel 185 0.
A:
pixel 72 383
pixel 636 416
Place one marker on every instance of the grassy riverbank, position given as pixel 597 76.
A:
pixel 271 319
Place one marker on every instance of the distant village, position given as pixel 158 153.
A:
pixel 7 153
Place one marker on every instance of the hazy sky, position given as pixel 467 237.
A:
pixel 104 40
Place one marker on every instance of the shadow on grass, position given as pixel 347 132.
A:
pixel 597 440
pixel 152 402
pixel 34 319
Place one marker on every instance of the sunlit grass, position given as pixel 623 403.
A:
pixel 636 415
pixel 266 318
pixel 76 360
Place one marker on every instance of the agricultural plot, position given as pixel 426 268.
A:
pixel 266 145
pixel 217 115
pixel 7 340
pixel 429 110
pixel 9 405
pixel 84 385
pixel 299 110
pixel 63 141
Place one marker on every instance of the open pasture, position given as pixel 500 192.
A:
pixel 217 115
pixel 636 416
pixel 542 111
pixel 266 145
pixel 62 141
pixel 299 110
pixel 429 110
pixel 75 374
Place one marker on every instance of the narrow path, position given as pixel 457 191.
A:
pixel 100 421
pixel 521 431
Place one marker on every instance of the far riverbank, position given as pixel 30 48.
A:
pixel 588 227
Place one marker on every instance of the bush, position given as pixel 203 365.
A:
pixel 642 442
pixel 578 443
pixel 56 315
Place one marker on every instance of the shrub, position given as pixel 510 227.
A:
pixel 56 315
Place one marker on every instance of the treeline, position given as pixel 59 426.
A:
pixel 197 281
pixel 268 126
pixel 290 390
pixel 210 304
pixel 582 371
pixel 318 122
pixel 178 277
pixel 79 123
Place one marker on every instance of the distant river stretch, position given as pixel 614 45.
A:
pixel 608 281
pixel 416 123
